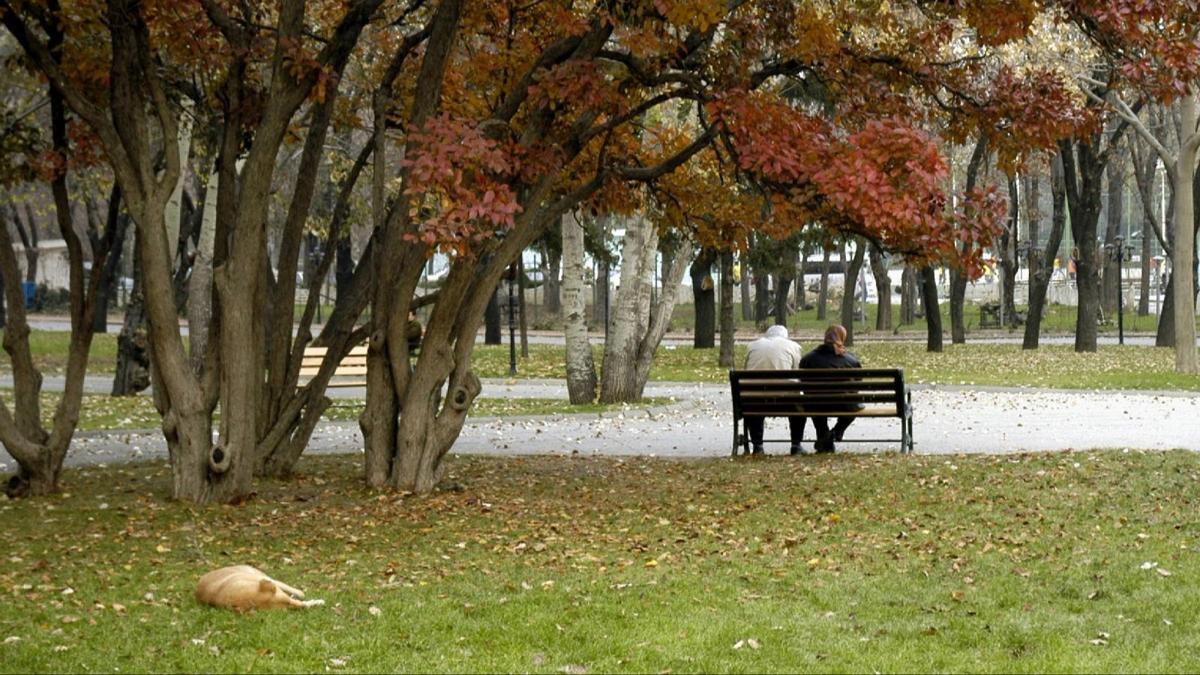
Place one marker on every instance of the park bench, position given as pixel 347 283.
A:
pixel 810 393
pixel 350 372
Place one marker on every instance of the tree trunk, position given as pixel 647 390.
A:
pixel 823 288
pixel 637 325
pixel 883 289
pixel 1143 305
pixel 1033 220
pixel 1039 280
pixel 28 232
pixel 118 223
pixel 1115 213
pixel 1083 169
pixel 728 326
pixel 40 454
pixel 933 314
pixel 581 368
pixel 133 343
pixel 492 334
pixel 553 293
pixel 849 296
pixel 523 321
pixel 762 296
pixel 783 286
pixel 704 300
pixel 1008 259
pixel 600 299
pixel 1183 271
pixel 801 286
pixel 200 290
pixel 744 285
pixel 343 268
pixel 908 296
pixel 958 296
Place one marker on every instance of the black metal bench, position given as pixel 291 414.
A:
pixel 813 393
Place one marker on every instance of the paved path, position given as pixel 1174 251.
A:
pixel 948 420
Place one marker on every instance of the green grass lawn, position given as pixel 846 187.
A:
pixel 1064 562
pixel 1112 367
pixel 49 349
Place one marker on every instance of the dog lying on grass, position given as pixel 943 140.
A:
pixel 242 588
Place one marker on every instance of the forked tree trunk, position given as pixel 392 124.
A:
pixel 728 325
pixel 1039 280
pixel 581 366
pixel 958 280
pixel 1083 169
pixel 933 314
pixel 637 325
pixel 40 453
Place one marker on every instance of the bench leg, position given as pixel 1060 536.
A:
pixel 908 435
pixel 735 438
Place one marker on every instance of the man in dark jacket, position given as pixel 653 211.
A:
pixel 831 354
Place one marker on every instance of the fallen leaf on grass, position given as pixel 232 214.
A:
pixel 749 642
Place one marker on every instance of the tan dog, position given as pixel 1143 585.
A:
pixel 242 587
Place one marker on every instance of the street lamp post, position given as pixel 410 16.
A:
pixel 512 322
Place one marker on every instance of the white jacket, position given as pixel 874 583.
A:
pixel 773 351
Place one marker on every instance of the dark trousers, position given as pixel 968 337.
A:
pixel 822 426
pixel 754 427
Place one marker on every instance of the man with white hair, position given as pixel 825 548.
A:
pixel 774 351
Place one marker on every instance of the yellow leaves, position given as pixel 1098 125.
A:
pixel 697 14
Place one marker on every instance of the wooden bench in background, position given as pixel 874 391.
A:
pixel 350 372
pixel 811 392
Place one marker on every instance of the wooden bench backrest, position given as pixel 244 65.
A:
pixel 353 365
pixel 763 392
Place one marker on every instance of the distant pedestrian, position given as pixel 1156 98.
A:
pixel 832 353
pixel 774 351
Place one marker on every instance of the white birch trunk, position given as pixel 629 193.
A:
pixel 581 367
pixel 199 307
pixel 1185 242
pixel 636 328
pixel 174 212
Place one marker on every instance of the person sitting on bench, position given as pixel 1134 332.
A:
pixel 831 354
pixel 773 351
